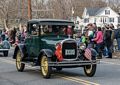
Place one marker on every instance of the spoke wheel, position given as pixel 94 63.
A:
pixel 45 68
pixel 19 65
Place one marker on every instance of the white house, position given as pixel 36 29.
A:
pixel 79 25
pixel 78 22
pixel 100 16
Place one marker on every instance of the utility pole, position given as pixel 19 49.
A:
pixel 23 9
pixel 29 10
pixel 19 10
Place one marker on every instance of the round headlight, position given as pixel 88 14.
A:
pixel 82 46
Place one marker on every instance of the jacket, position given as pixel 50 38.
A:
pixel 99 37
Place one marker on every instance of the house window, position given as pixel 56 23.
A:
pixel 101 19
pixel 95 20
pixel 105 19
pixel 111 19
pixel 118 19
pixel 77 22
pixel 107 11
pixel 86 20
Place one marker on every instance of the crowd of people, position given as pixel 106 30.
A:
pixel 105 39
pixel 12 36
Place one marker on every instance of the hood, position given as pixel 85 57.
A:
pixel 49 42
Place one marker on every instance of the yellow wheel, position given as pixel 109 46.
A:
pixel 19 65
pixel 45 68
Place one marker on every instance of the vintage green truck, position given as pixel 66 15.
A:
pixel 49 44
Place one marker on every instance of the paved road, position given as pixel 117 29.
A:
pixel 108 73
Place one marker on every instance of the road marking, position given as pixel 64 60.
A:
pixel 77 80
pixel 70 79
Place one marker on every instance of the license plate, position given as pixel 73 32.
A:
pixel 69 52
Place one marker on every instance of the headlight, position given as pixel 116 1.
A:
pixel 82 46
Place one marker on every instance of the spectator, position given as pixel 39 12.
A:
pixel 117 35
pixel 99 42
pixel 3 36
pixel 112 36
pixel 12 35
pixel 89 35
pixel 108 41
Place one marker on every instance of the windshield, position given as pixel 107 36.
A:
pixel 56 30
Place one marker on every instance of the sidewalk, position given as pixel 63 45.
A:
pixel 116 55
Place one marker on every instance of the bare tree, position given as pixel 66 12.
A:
pixel 114 4
pixel 4 8
pixel 17 9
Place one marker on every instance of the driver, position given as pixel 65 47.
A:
pixel 49 29
pixel 69 31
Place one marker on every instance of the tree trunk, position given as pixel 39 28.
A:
pixel 6 24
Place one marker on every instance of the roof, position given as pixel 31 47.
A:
pixel 42 20
pixel 94 11
pixel 52 21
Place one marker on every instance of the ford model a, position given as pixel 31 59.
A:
pixel 49 44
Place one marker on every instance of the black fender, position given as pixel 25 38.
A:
pixel 22 49
pixel 47 52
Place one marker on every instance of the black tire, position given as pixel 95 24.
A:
pixel 90 70
pixel 19 65
pixel 59 68
pixel 45 68
pixel 5 53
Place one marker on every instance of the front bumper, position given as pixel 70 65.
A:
pixel 73 63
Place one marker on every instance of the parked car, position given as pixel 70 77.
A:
pixel 49 44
